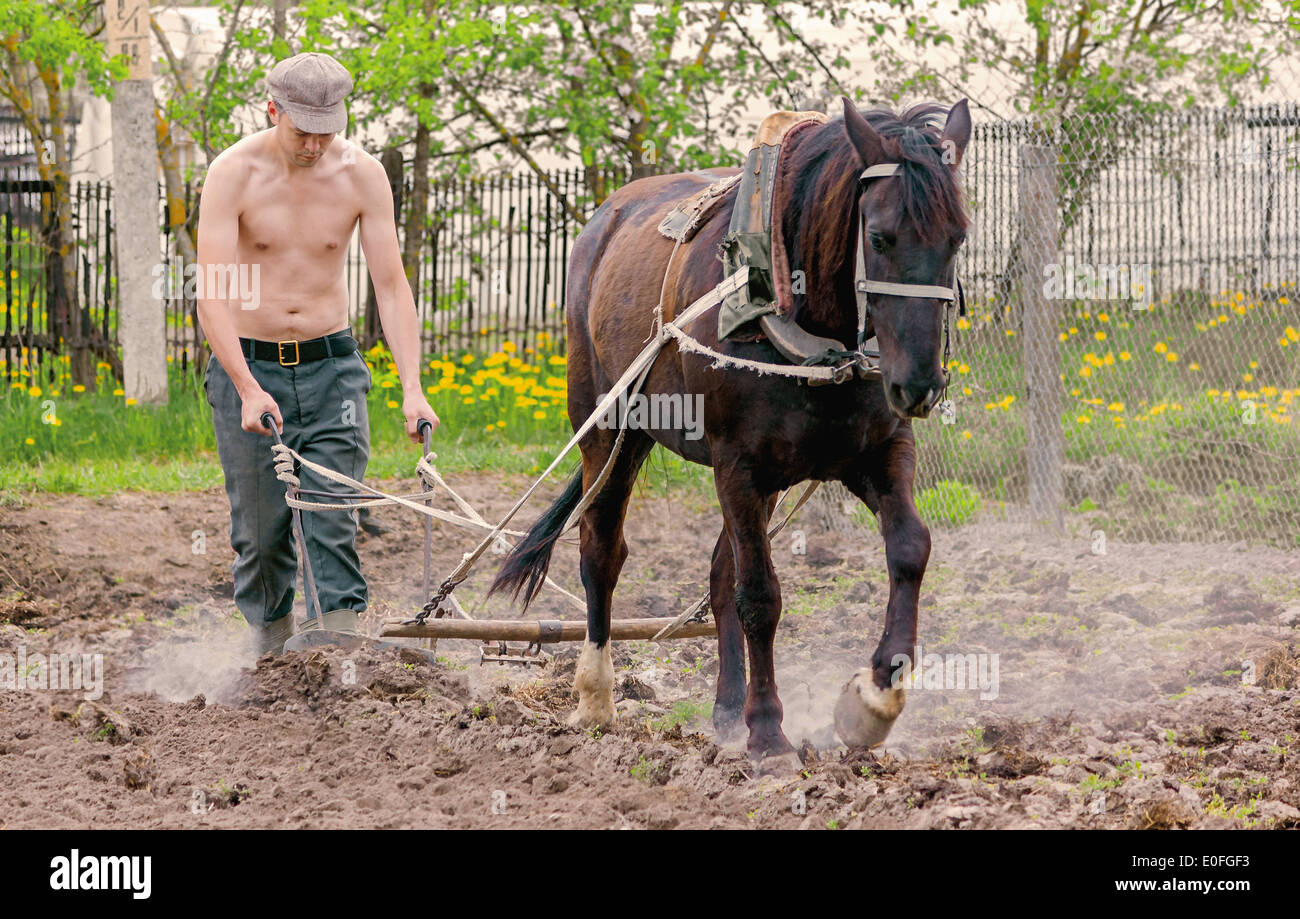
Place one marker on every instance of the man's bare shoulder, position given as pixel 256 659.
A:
pixel 364 169
pixel 237 162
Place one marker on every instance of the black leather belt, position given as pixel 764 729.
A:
pixel 290 353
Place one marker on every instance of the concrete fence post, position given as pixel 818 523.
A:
pixel 142 326
pixel 1044 438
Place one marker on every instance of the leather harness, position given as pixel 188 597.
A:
pixel 747 246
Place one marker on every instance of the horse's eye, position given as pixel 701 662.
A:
pixel 878 241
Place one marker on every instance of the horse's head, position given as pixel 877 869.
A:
pixel 910 224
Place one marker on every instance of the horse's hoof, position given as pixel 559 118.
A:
pixel 865 712
pixel 594 685
pixel 780 764
pixel 593 717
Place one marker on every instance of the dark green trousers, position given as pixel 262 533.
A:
pixel 323 404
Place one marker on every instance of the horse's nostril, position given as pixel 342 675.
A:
pixel 896 394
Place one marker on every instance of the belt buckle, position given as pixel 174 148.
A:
pixel 296 356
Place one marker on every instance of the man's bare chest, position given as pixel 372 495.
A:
pixel 314 225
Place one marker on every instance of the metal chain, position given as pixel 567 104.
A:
pixel 444 591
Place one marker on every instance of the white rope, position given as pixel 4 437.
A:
pixel 686 343
pixel 633 376
pixel 425 465
pixel 284 459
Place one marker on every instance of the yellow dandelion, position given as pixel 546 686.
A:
pixel 1161 347
pixel 1099 335
pixel 1124 356
pixel 966 435
pixel 31 442
pixel 131 401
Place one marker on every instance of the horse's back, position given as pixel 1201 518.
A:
pixel 622 236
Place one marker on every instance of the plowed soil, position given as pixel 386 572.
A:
pixel 1153 685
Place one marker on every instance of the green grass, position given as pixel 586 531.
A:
pixel 92 443
pixel 1192 468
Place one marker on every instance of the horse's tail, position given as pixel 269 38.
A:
pixel 524 570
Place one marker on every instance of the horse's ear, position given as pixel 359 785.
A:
pixel 956 133
pixel 862 135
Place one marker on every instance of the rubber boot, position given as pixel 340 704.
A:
pixel 337 628
pixel 271 637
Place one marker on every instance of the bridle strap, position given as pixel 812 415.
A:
pixel 863 287
pixel 908 290
pixel 879 171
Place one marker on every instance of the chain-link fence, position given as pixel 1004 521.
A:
pixel 1130 364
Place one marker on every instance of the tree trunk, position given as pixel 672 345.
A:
pixel 417 210
pixel 392 161
pixel 177 223
pixel 68 320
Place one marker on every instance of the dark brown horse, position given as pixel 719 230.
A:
pixel 768 433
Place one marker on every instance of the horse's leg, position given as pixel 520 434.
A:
pixel 871 701
pixel 603 553
pixel 729 704
pixel 758 605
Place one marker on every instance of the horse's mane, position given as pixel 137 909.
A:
pixel 820 175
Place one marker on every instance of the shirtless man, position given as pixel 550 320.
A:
pixel 281 205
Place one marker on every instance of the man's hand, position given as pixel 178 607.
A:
pixel 256 404
pixel 416 407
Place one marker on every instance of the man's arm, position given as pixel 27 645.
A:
pixel 218 245
pixel 392 292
